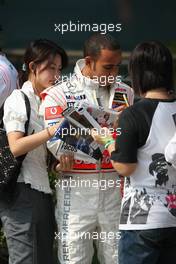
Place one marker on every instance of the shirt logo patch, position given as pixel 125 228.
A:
pixel 53 112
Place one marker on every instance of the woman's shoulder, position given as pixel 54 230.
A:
pixel 139 111
pixel 142 105
pixel 15 101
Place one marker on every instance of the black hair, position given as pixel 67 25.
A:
pixel 151 67
pixel 97 41
pixel 39 51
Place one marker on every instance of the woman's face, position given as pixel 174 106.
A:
pixel 47 73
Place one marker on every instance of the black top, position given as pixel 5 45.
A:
pixel 135 122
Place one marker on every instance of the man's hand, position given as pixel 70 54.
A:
pixel 103 136
pixel 66 162
pixel 119 110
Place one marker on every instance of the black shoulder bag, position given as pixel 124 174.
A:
pixel 9 165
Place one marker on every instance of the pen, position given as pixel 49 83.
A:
pixel 125 99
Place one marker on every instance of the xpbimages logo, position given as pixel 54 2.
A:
pixel 82 131
pixel 101 236
pixel 77 26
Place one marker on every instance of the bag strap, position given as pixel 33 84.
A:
pixel 1 116
pixel 28 111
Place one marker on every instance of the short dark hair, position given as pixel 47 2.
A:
pixel 97 41
pixel 151 67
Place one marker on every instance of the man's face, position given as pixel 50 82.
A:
pixel 106 67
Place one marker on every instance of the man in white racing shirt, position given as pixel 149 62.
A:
pixel 88 212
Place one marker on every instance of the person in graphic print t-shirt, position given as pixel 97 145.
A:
pixel 148 212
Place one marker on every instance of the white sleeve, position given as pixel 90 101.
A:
pixel 3 90
pixel 15 112
pixel 52 109
pixel 8 82
pixel 170 151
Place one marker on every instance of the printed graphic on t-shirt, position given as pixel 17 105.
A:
pixel 136 208
pixel 171 202
pixel 159 169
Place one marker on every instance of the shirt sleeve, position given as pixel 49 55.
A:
pixel 127 140
pixel 170 151
pixel 15 112
pixel 8 82
pixel 3 90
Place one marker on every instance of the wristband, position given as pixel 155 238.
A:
pixel 48 132
pixel 109 142
pixel 52 132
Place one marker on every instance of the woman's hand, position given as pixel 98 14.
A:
pixel 66 162
pixel 53 129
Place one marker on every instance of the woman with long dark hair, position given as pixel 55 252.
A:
pixel 29 221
